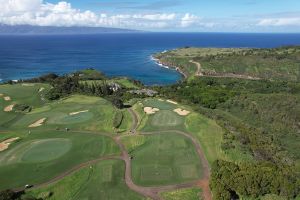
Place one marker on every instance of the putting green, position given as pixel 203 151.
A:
pixel 36 151
pixel 46 150
pixel 166 118
pixel 155 103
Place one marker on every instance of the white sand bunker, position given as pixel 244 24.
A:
pixel 37 123
pixel 150 110
pixel 173 102
pixel 5 144
pixel 41 89
pixel 9 108
pixel 76 113
pixel 7 98
pixel 28 84
pixel 181 112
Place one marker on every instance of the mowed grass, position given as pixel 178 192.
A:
pixel 42 155
pixel 183 194
pixel 103 180
pixel 20 94
pixel 208 133
pixel 164 159
pixel 164 119
pixel 97 116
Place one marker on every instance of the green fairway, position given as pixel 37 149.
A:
pixel 164 159
pixel 42 155
pixel 99 181
pixel 19 94
pixel 76 112
pixel 166 118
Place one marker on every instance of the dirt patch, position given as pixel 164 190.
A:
pixel 150 110
pixel 41 89
pixel 76 113
pixel 181 112
pixel 28 84
pixel 7 98
pixel 37 123
pixel 5 144
pixel 9 108
pixel 1 95
pixel 173 102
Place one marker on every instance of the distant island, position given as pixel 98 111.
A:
pixel 53 30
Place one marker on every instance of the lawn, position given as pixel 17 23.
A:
pixel 164 119
pixel 164 159
pixel 42 155
pixel 103 180
pixel 208 133
pixel 19 94
pixel 94 114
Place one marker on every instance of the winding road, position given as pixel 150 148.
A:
pixel 150 192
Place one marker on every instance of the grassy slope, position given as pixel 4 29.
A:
pixel 85 147
pixel 104 180
pixel 278 64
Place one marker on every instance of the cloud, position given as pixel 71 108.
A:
pixel 40 13
pixel 287 21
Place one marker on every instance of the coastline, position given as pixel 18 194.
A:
pixel 168 66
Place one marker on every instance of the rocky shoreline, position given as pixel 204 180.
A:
pixel 168 66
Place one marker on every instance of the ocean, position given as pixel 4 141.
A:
pixel 127 54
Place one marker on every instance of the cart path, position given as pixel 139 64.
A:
pixel 151 192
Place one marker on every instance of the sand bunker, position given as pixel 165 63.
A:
pixel 150 110
pixel 37 123
pixel 28 84
pixel 7 98
pixel 173 102
pixel 4 145
pixel 181 112
pixel 41 89
pixel 9 108
pixel 76 113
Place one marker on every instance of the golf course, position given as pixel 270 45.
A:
pixel 70 148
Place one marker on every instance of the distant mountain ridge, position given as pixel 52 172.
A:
pixel 52 30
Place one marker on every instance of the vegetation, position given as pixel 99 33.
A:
pixel 104 179
pixel 182 194
pixel 274 64
pixel 260 120
pixel 43 155
pixel 164 159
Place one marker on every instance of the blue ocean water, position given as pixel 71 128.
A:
pixel 115 54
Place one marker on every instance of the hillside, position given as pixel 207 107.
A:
pixel 271 64
pixel 52 30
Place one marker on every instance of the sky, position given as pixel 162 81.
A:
pixel 158 15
